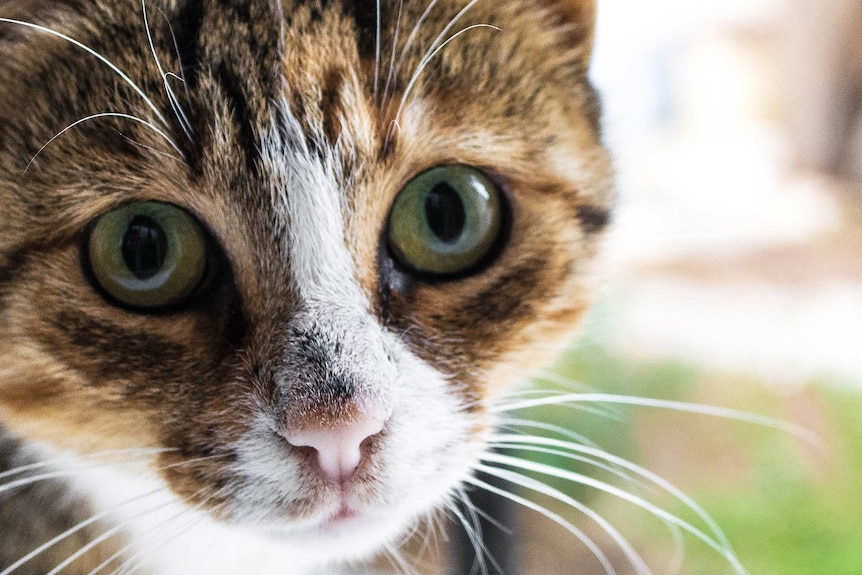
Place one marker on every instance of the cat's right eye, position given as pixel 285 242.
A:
pixel 147 255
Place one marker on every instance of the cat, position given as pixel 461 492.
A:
pixel 267 266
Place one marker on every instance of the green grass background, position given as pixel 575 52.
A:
pixel 787 506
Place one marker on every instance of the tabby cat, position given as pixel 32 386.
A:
pixel 268 266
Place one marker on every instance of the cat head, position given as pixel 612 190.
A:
pixel 302 247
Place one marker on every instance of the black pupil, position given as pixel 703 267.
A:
pixel 145 247
pixel 445 213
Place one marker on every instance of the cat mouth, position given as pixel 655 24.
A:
pixel 345 516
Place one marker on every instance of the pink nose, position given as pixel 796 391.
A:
pixel 339 449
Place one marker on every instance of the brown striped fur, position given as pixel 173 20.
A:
pixel 83 374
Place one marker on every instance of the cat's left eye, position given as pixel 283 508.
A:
pixel 446 221
pixel 148 255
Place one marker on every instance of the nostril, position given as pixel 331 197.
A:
pixel 338 448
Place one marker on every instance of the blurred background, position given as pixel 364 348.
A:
pixel 733 279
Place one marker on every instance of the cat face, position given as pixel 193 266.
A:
pixel 302 257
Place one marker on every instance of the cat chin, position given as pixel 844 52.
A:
pixel 176 537
pixel 352 538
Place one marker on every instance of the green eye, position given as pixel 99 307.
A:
pixel 445 220
pixel 148 255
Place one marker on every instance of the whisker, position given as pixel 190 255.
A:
pixel 422 525
pixel 377 52
pixel 104 60
pixel 582 458
pixel 484 515
pixel 432 50
pixel 190 461
pixel 412 36
pixel 397 559
pixel 600 411
pixel 18 483
pixel 619 461
pixel 389 76
pixel 133 562
pixel 182 75
pixel 106 115
pixel 522 480
pixel 148 148
pixel 69 532
pixel 712 411
pixel 514 423
pixel 431 56
pixel 676 563
pixel 583 537
pixel 474 535
pixel 720 544
pixel 482 552
pixel 104 537
pixel 405 50
pixel 169 92
pixel 99 455
pixel 557 379
pixel 438 528
pixel 136 560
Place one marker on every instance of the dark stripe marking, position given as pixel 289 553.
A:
pixel 593 219
pixel 235 94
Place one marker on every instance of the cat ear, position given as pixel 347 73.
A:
pixel 578 20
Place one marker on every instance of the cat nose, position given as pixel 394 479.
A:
pixel 339 447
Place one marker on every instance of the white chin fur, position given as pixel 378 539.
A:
pixel 168 537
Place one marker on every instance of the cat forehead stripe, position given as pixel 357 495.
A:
pixel 311 205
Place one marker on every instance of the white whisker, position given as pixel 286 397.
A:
pixel 720 544
pixel 474 535
pixel 99 455
pixel 405 50
pixel 676 563
pixel 482 550
pixel 413 34
pixel 426 525
pixel 104 537
pixel 385 97
pixel 527 482
pixel 377 52
pixel 571 456
pixel 514 423
pixel 620 462
pixel 163 537
pixel 712 411
pixel 432 50
pixel 557 379
pixel 104 60
pixel 430 57
pixel 182 75
pixel 18 483
pixel 106 115
pixel 31 479
pixel 190 461
pixel 69 532
pixel 493 521
pixel 148 148
pixel 583 537
pixel 397 559
pixel 169 92
pixel 601 411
